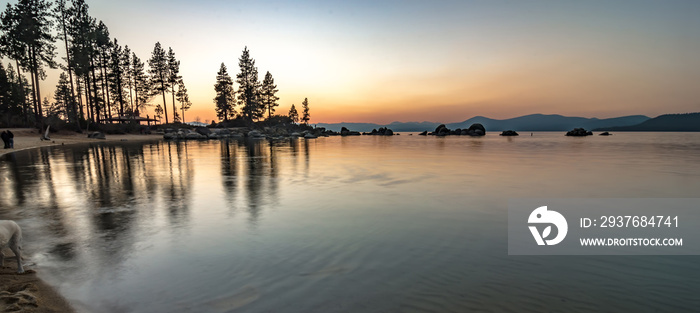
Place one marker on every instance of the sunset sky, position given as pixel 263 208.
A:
pixel 440 61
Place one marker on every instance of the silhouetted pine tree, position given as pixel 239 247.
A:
pixel 225 98
pixel 173 77
pixel 267 94
pixel 183 98
pixel 159 71
pixel 158 112
pixel 62 14
pixel 248 88
pixel 141 85
pixel 116 76
pixel 305 118
pixel 80 30
pixel 101 61
pixel 27 37
pixel 125 59
pixel 63 99
pixel 293 114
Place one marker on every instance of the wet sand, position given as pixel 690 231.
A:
pixel 27 292
pixel 27 138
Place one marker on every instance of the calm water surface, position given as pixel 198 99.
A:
pixel 354 224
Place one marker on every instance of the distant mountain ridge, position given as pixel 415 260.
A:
pixel 532 122
pixel 688 122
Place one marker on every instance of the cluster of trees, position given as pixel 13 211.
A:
pixel 100 80
pixel 254 99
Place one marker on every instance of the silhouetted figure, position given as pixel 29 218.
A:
pixel 5 139
pixel 11 139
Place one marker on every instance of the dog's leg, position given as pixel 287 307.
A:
pixel 15 249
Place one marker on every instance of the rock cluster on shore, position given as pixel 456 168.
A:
pixel 202 133
pixel 475 130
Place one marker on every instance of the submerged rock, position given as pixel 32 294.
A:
pixel 605 134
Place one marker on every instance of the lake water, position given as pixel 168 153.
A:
pixel 340 224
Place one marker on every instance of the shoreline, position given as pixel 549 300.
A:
pixel 28 138
pixel 27 292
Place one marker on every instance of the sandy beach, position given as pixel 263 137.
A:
pixel 27 292
pixel 28 138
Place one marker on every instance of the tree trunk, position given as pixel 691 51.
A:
pixel 172 88
pixel 24 97
pixel 94 87
pixel 70 76
pixel 165 107
pixel 105 87
pixel 88 97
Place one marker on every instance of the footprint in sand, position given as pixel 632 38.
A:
pixel 18 299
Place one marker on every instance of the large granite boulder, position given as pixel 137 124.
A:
pixel 509 133
pixel 605 134
pixel 424 133
pixel 476 129
pixel 579 132
pixel 442 130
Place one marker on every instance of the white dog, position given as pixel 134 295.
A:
pixel 11 236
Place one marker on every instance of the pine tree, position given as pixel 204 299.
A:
pixel 158 112
pixel 63 97
pixel 27 27
pixel 81 50
pixel 248 88
pixel 102 61
pixel 173 76
pixel 225 97
pixel 116 76
pixel 141 84
pixel 158 64
pixel 183 98
pixel 125 59
pixel 62 14
pixel 268 97
pixel 305 118
pixel 293 114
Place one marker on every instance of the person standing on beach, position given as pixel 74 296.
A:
pixel 11 139
pixel 5 139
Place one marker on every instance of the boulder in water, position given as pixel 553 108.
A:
pixel 509 133
pixel 579 132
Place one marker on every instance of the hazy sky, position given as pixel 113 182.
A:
pixel 442 61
